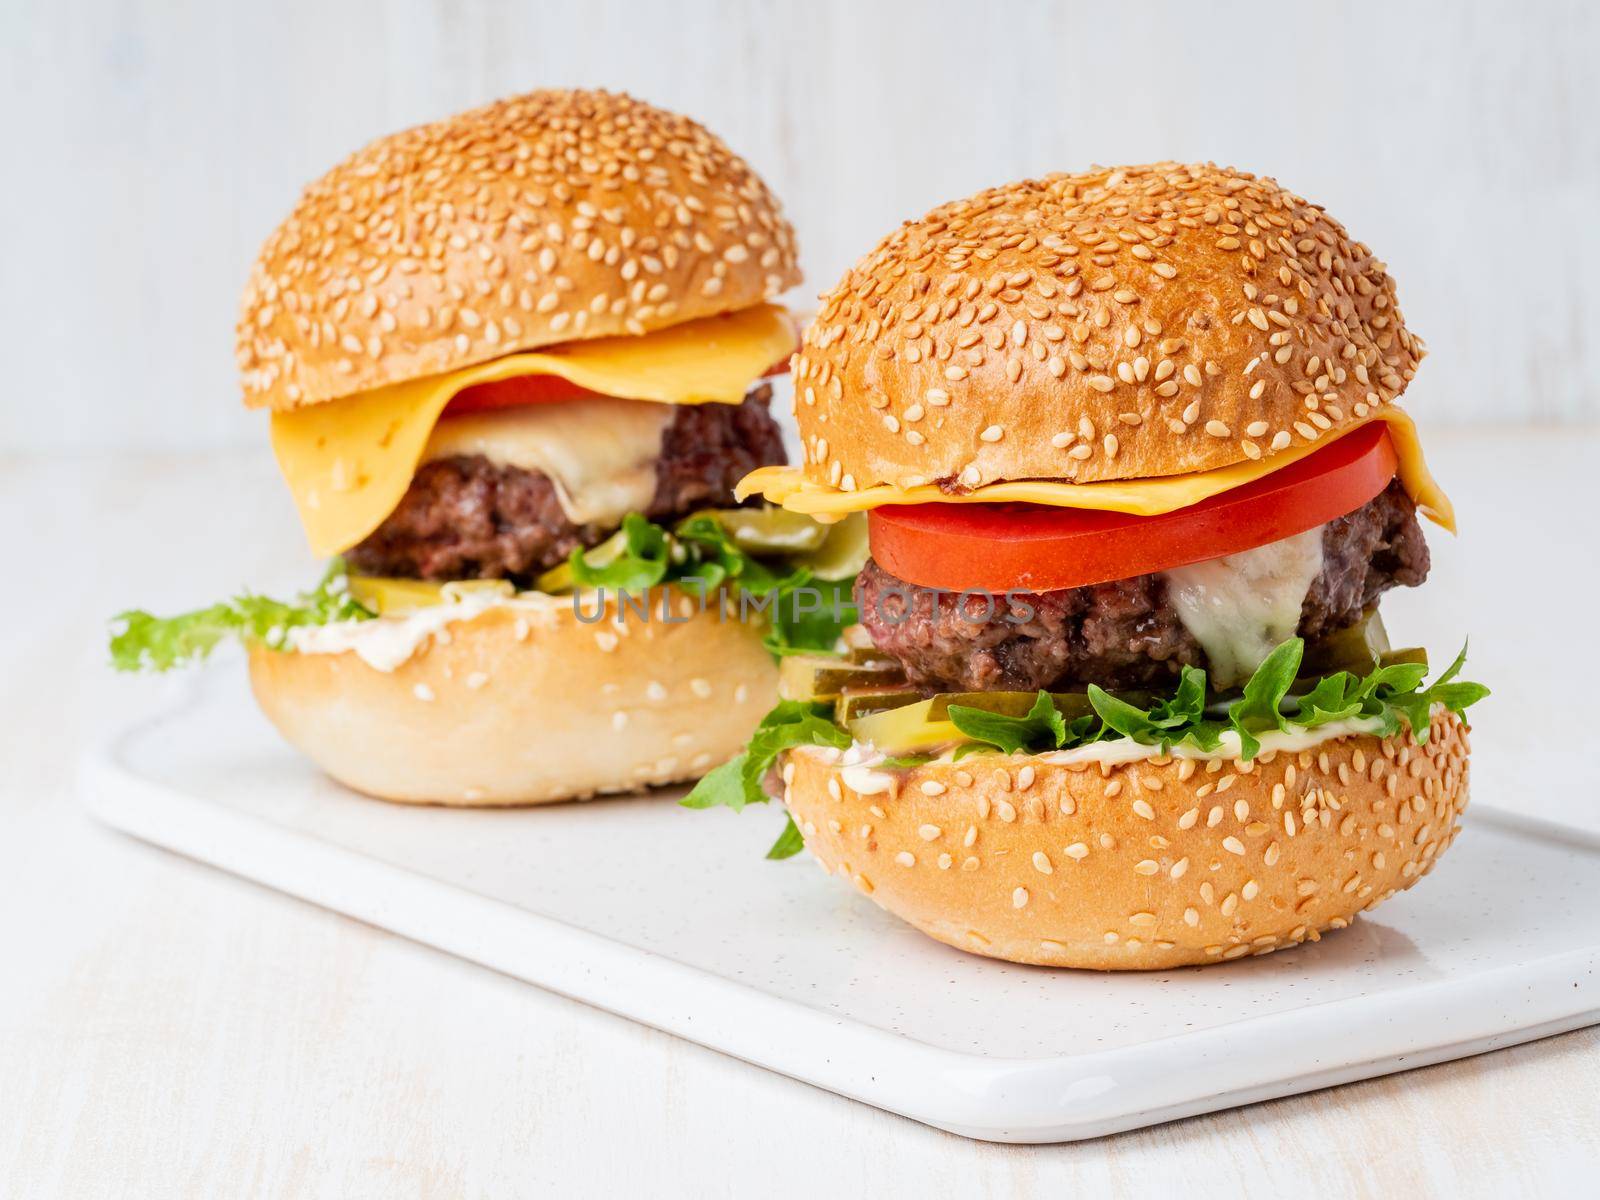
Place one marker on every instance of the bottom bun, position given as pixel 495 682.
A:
pixel 525 704
pixel 1161 862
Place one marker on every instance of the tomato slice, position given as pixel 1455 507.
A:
pixel 535 389
pixel 1039 548
pixel 514 393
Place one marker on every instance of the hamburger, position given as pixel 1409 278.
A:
pixel 515 362
pixel 1136 480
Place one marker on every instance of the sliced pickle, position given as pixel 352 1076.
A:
pixel 897 730
pixel 823 677
pixel 856 637
pixel 461 589
pixel 1411 654
pixel 843 551
pixel 384 596
pixel 1357 648
pixel 559 579
pixel 865 655
pixel 858 702
pixel 769 531
pixel 1009 704
pixel 394 595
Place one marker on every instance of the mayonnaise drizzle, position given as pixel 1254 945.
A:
pixel 385 643
pixel 865 758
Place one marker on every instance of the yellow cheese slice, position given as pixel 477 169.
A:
pixel 1142 497
pixel 348 462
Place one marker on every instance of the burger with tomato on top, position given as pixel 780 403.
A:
pixel 1136 481
pixel 516 361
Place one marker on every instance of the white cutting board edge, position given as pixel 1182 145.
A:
pixel 1027 1100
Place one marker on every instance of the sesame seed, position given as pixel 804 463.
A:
pixel 906 859
pixel 1019 898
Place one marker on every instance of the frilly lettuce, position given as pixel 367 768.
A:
pixel 142 642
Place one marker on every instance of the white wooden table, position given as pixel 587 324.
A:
pixel 169 1030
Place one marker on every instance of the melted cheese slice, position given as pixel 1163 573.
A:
pixel 600 453
pixel 348 462
pixel 1142 497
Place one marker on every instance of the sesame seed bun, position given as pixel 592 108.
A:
pixel 527 707
pixel 545 218
pixel 1121 323
pixel 1158 863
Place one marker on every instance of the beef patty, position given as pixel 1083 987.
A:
pixel 1122 634
pixel 469 518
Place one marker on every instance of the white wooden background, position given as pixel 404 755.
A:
pixel 150 146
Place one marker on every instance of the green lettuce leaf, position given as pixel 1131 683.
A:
pixel 738 782
pixel 143 642
pixel 1260 708
pixel 804 614
pixel 1386 698
pixel 811 621
pixel 1043 726
pixel 642 563
pixel 789 842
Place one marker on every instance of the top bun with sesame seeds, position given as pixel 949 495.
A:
pixel 544 218
pixel 1121 323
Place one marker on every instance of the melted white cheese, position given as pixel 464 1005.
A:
pixel 1240 607
pixel 599 452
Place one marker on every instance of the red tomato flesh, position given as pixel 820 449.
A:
pixel 1039 548
pixel 534 389
pixel 514 393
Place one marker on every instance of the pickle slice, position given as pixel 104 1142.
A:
pixel 907 728
pixel 1411 654
pixel 394 595
pixel 1357 648
pixel 859 702
pixel 385 596
pixel 771 531
pixel 925 723
pixel 856 637
pixel 867 656
pixel 843 551
pixel 559 579
pixel 823 677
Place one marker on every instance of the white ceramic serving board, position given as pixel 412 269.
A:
pixel 675 919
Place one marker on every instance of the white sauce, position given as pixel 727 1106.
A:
pixel 866 782
pixel 1273 741
pixel 1242 606
pixel 385 643
pixel 864 757
pixel 599 452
